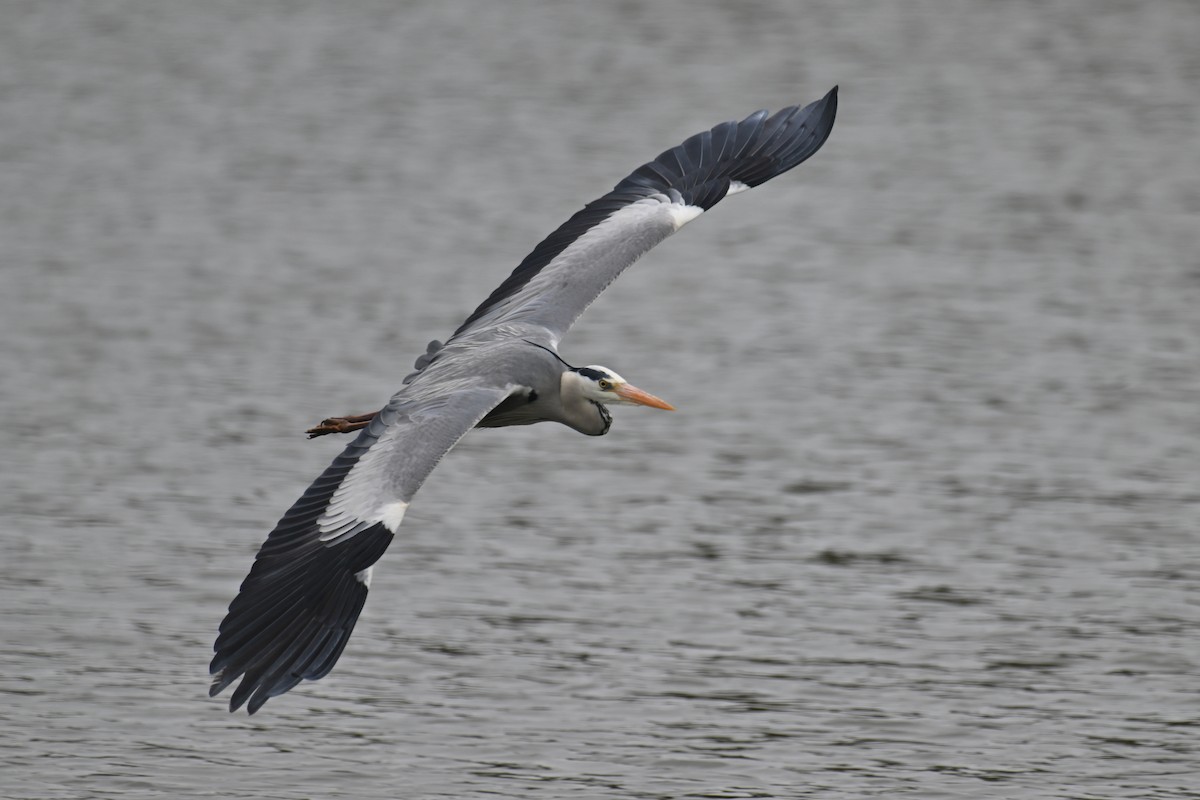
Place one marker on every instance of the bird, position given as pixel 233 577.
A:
pixel 295 610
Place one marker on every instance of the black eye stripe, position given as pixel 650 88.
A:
pixel 593 374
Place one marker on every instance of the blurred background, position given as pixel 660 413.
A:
pixel 925 524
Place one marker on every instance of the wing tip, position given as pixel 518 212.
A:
pixel 825 113
pixel 293 627
pixel 308 654
pixel 831 100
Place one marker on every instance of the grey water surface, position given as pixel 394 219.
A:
pixel 925 524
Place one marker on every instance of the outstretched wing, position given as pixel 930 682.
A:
pixel 297 607
pixel 572 266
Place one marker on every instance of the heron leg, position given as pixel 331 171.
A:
pixel 351 422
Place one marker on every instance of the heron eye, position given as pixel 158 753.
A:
pixel 604 385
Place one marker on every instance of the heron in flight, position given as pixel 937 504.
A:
pixel 295 611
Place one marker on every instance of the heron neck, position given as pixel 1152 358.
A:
pixel 578 412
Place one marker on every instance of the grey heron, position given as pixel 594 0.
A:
pixel 297 607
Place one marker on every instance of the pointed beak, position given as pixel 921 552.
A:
pixel 632 394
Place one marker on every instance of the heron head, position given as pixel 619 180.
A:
pixel 602 386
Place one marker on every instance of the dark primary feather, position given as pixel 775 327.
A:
pixel 296 609
pixel 700 170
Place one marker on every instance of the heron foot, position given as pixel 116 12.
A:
pixel 351 422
